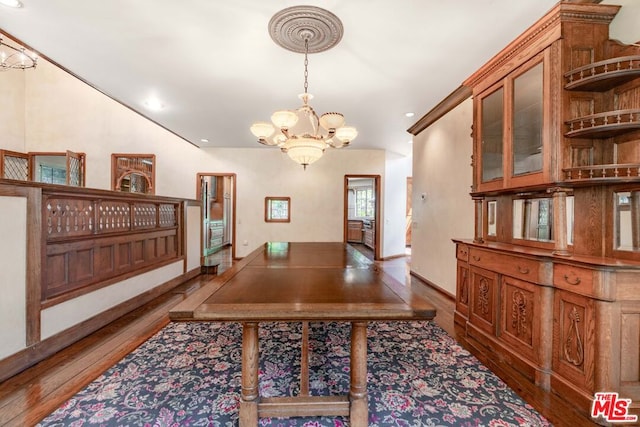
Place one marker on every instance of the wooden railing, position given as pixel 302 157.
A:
pixel 597 75
pixel 606 172
pixel 604 124
pixel 92 237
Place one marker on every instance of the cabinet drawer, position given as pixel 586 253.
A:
pixel 576 279
pixel 462 253
pixel 514 266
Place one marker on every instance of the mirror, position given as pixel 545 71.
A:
pixel 533 219
pixel 492 206
pixel 491 137
pixel 627 221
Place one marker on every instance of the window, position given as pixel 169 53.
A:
pixel 365 202
pixel 277 209
pixel 52 168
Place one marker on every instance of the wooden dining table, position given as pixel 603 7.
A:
pixel 304 282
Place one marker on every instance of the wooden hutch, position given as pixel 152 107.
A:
pixel 550 283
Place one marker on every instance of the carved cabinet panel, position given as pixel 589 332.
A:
pixel 574 338
pixel 484 299
pixel 520 316
pixel 463 289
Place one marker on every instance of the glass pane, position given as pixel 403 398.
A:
pixel 627 221
pixel 532 219
pixel 51 169
pixel 527 122
pixel 492 111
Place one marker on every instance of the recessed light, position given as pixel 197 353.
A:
pixel 154 104
pixel 410 114
pixel 11 3
pixel 205 140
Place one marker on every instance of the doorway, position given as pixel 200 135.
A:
pixel 217 192
pixel 362 212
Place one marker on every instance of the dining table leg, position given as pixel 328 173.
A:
pixel 359 410
pixel 250 360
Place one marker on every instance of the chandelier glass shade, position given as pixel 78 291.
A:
pixel 301 133
pixel 14 58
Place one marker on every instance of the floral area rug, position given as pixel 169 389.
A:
pixel 188 374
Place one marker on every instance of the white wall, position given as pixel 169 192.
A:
pixel 397 170
pixel 442 171
pixel 625 25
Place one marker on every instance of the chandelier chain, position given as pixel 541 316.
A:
pixel 306 65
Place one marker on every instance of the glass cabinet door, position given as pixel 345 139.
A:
pixel 527 121
pixel 492 113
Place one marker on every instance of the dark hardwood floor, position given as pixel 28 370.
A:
pixel 33 394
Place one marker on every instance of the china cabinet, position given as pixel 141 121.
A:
pixel 550 283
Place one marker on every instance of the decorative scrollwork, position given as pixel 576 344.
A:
pixel 144 215
pixel 573 347
pixel 483 296
pixel 114 216
pixel 68 217
pixel 519 312
pixel 167 215
pixel 464 288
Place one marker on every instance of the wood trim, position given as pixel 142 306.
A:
pixel 454 99
pixel 378 218
pixel 234 181
pixel 33 273
pixel 41 350
pixel 432 285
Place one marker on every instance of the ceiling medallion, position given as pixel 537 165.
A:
pixel 301 133
pixel 290 27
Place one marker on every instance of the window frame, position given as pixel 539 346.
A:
pixel 268 210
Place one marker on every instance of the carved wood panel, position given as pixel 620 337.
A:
pixel 73 265
pixel 68 217
pixel 520 316
pixel 574 339
pixel 92 239
pixel 463 288
pixel 483 304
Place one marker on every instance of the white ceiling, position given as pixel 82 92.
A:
pixel 216 70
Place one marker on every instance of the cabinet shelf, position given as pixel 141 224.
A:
pixel 604 125
pixel 603 75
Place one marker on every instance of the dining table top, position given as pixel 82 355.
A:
pixel 310 281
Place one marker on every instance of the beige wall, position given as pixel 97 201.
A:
pixel 441 171
pixel 12 85
pixel 13 317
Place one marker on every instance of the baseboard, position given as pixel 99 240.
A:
pixel 31 355
pixel 433 285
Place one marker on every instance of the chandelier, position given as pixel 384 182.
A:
pixel 13 58
pixel 301 133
